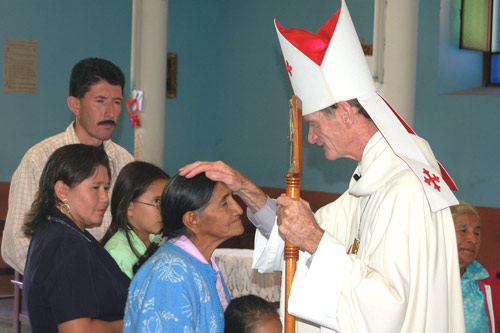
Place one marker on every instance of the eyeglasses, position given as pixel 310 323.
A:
pixel 155 205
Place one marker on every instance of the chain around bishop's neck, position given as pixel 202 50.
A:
pixel 357 239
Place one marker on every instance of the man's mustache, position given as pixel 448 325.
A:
pixel 107 122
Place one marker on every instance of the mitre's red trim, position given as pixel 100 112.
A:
pixel 312 45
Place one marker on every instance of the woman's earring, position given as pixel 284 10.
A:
pixel 64 207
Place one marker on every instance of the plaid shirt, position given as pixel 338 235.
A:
pixel 24 185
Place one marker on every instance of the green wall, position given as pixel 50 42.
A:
pixel 463 130
pixel 66 31
pixel 233 90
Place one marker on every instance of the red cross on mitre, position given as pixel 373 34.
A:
pixel 434 180
pixel 288 68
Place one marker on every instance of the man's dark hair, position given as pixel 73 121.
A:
pixel 89 71
pixel 330 111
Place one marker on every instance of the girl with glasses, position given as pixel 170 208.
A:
pixel 135 210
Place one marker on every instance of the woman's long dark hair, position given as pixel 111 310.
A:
pixel 132 181
pixel 71 164
pixel 180 196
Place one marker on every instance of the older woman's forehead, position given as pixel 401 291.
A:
pixel 220 192
pixel 468 225
pixel 467 219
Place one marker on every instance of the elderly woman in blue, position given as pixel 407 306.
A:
pixel 180 288
pixel 480 285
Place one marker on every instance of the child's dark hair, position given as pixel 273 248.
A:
pixel 244 313
pixel 180 196
pixel 132 181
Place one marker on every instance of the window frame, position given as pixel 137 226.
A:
pixel 487 52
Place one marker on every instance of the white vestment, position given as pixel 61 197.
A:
pixel 405 276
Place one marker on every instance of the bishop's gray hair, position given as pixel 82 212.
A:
pixel 330 111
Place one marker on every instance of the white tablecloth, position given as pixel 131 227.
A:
pixel 236 268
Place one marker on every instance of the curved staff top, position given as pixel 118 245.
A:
pixel 330 66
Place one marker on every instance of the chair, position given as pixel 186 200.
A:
pixel 19 316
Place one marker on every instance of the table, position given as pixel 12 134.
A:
pixel 236 268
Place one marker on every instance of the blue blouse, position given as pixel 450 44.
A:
pixel 476 319
pixel 174 292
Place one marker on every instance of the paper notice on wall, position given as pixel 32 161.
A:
pixel 20 67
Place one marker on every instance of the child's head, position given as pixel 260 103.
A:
pixel 251 314
pixel 135 202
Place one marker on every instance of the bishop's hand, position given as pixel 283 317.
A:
pixel 240 185
pixel 296 223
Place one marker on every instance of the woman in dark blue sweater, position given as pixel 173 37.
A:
pixel 71 283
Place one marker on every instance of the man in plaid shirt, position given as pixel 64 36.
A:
pixel 95 98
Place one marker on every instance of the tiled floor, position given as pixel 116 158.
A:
pixel 7 305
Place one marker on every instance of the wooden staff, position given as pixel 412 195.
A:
pixel 293 176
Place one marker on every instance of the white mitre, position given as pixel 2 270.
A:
pixel 328 67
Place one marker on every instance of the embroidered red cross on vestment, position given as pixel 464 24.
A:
pixel 434 180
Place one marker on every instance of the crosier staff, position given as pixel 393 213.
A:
pixel 293 176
